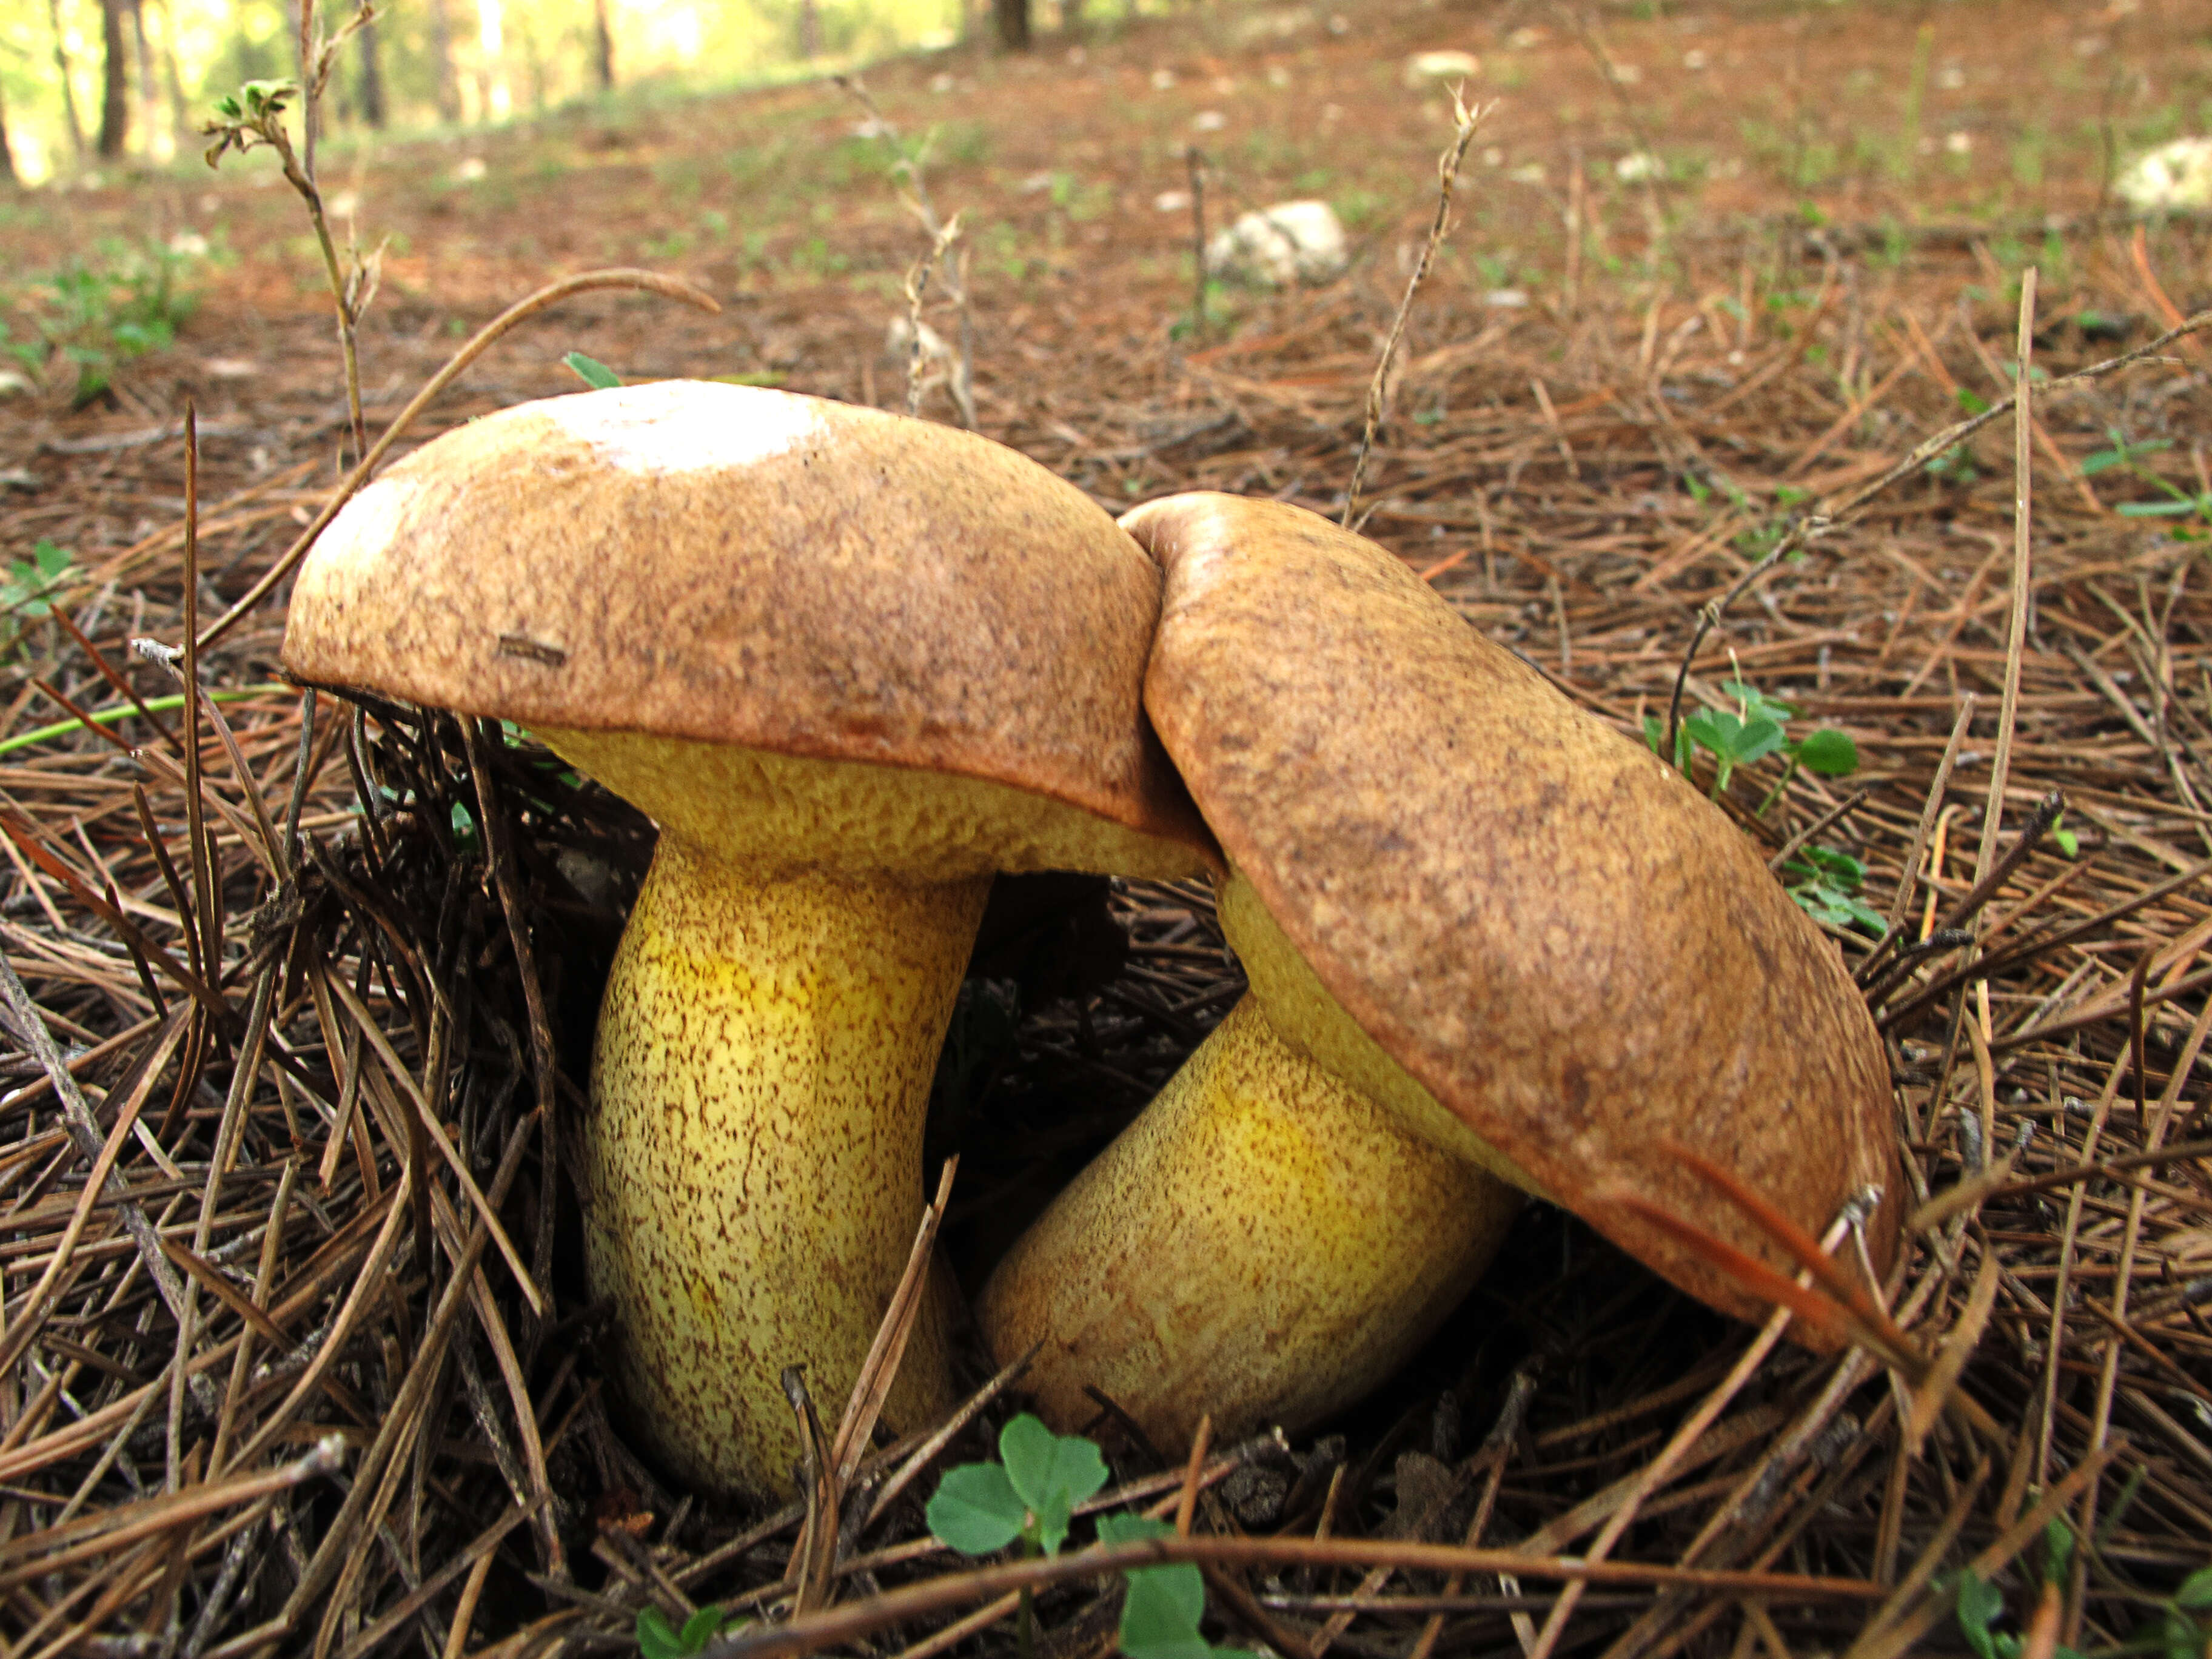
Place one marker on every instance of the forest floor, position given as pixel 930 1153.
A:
pixel 1622 388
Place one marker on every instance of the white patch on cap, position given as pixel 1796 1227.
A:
pixel 683 426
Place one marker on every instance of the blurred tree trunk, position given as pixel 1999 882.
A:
pixel 67 80
pixel 180 114
pixel 149 91
pixel 115 81
pixel 1071 17
pixel 602 46
pixel 7 156
pixel 369 84
pixel 810 30
pixel 441 60
pixel 1013 18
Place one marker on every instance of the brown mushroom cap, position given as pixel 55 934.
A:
pixel 737 565
pixel 1547 927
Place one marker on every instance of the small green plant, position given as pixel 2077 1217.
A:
pixel 30 584
pixel 591 371
pixel 1826 885
pixel 1733 740
pixel 100 315
pixel 1030 1495
pixel 658 1639
pixel 1753 732
pixel 1980 1604
pixel 2127 457
pixel 2186 1622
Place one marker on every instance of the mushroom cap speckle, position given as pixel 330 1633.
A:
pixel 734 565
pixel 1559 939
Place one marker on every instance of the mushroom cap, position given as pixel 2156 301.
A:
pixel 736 566
pixel 1560 940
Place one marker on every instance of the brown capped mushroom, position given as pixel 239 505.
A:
pixel 1484 933
pixel 851 665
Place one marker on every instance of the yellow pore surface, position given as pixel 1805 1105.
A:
pixel 1314 1023
pixel 1264 1243
pixel 775 813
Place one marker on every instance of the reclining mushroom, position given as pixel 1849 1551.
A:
pixel 851 665
pixel 1492 944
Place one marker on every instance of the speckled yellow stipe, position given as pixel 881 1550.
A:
pixel 762 1071
pixel 1264 1243
pixel 754 1148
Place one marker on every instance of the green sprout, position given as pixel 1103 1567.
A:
pixel 592 372
pixel 2128 458
pixel 1826 885
pixel 28 588
pixel 658 1639
pixel 1980 1604
pixel 1030 1495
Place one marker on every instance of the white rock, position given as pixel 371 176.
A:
pixel 470 169
pixel 1637 166
pixel 1279 247
pixel 2177 174
pixel 1208 120
pixel 1172 201
pixel 13 384
pixel 1425 68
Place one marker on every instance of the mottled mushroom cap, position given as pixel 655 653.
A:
pixel 1549 928
pixel 734 566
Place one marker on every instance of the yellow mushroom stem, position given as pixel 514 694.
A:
pixel 754 1148
pixel 1265 1244
pixel 761 1074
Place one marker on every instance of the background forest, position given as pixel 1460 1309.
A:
pixel 92 82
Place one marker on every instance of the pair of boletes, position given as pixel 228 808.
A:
pixel 852 665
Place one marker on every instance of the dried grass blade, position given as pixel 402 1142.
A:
pixel 111 1529
pixel 373 1635
pixel 815 1555
pixel 1806 1251
pixel 432 1127
pixel 880 1369
pixel 941 1437
pixel 26 837
pixel 211 1279
pixel 1934 1390
pixel 36 1304
pixel 1889 1638
pixel 84 1130
pixel 1833 1322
